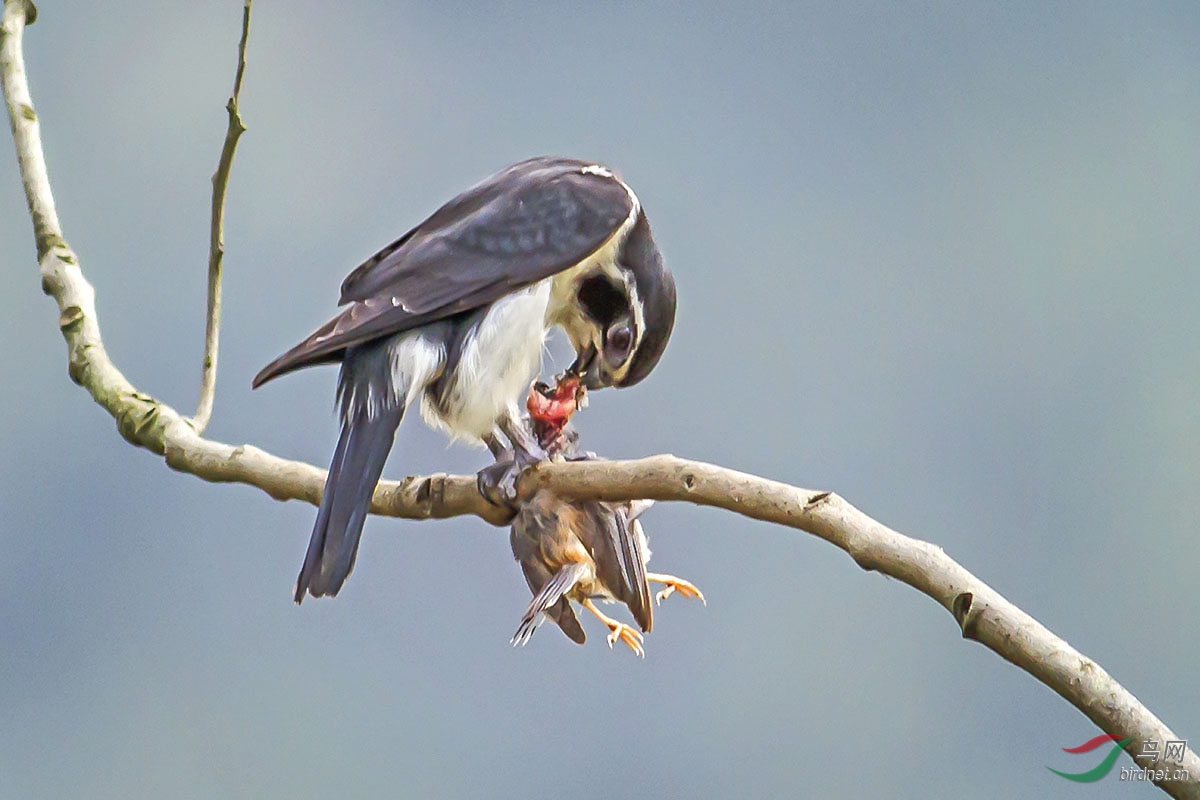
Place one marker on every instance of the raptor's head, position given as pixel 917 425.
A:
pixel 627 313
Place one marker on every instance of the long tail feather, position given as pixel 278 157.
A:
pixel 357 464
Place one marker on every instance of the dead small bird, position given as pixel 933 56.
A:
pixel 582 550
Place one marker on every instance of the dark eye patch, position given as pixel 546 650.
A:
pixel 601 300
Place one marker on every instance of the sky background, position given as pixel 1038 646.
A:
pixel 941 258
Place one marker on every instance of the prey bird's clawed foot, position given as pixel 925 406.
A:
pixel 671 585
pixel 632 638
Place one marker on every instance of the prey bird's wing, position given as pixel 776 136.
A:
pixel 628 542
pixel 526 223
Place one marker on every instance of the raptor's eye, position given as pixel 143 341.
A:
pixel 619 340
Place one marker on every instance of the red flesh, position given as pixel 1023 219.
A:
pixel 550 414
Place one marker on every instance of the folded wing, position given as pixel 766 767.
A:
pixel 526 223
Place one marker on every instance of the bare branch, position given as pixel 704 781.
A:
pixel 982 614
pixel 216 247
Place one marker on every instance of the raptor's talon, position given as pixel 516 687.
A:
pixel 498 483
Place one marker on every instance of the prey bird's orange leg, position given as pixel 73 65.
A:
pixel 617 630
pixel 673 585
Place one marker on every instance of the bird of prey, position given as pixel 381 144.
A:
pixel 582 550
pixel 455 313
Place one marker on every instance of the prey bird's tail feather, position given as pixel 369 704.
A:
pixel 357 465
pixel 551 594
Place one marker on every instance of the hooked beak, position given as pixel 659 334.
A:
pixel 591 380
pixel 587 368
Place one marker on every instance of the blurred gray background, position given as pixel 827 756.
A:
pixel 940 258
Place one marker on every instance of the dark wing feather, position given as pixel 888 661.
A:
pixel 359 323
pixel 629 585
pixel 522 224
pixel 526 223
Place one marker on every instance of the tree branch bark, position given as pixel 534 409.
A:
pixel 216 246
pixel 981 613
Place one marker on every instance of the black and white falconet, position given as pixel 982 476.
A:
pixel 456 312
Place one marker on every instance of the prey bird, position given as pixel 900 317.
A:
pixel 582 550
pixel 455 312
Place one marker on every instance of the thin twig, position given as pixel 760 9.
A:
pixel 216 246
pixel 981 613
